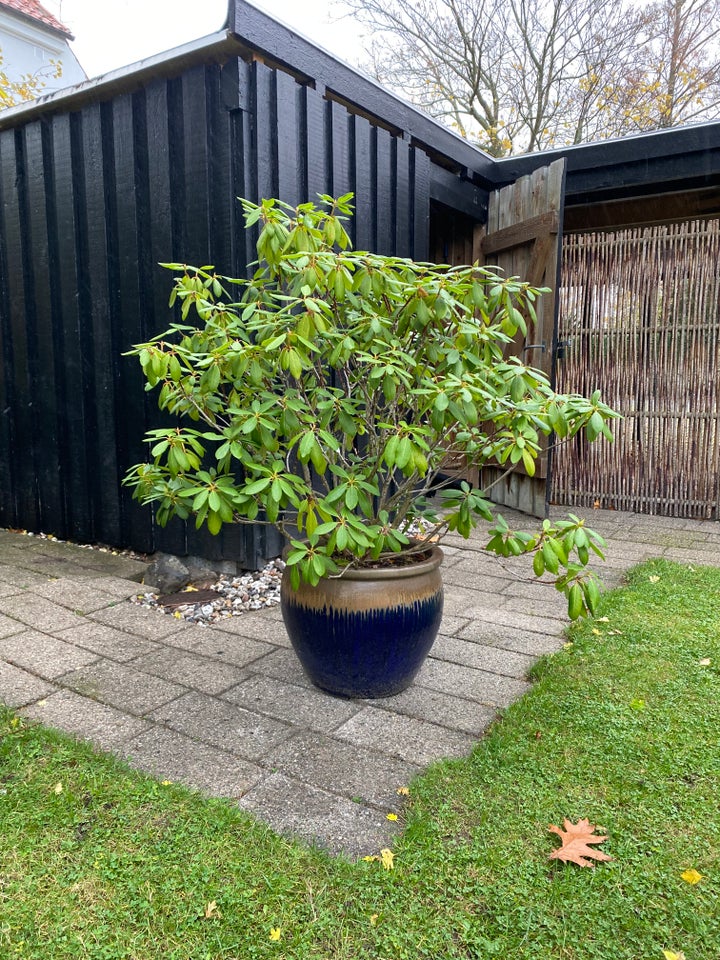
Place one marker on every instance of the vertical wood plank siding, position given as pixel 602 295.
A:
pixel 90 201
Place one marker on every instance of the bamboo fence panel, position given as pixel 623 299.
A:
pixel 640 310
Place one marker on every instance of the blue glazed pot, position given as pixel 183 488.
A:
pixel 365 634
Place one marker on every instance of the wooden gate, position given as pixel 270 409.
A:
pixel 640 310
pixel 522 237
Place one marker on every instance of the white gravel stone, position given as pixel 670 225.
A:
pixel 251 591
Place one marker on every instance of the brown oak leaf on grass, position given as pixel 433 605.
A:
pixel 575 839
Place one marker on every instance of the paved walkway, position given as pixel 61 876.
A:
pixel 227 709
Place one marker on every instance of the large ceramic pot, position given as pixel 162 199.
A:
pixel 366 633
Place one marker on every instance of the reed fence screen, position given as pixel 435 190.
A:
pixel 640 318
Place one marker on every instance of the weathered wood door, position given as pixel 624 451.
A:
pixel 523 237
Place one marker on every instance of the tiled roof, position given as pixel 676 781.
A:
pixel 33 10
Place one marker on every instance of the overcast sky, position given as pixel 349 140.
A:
pixel 115 33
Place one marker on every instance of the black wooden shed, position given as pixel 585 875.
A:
pixel 102 181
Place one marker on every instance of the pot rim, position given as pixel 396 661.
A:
pixel 392 572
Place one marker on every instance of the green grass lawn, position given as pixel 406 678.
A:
pixel 622 727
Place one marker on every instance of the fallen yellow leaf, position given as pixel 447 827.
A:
pixel 387 857
pixel 603 619
pixel 391 816
pixel 671 955
pixel 691 876
pixel 211 910
pixel 374 919
pixel 705 662
pixel 598 633
pixel 58 788
pixel 275 933
pixel 568 645
pixel 653 579
pixel 166 783
pixel 403 791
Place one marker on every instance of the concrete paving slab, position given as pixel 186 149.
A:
pixel 256 626
pixel 53 555
pixel 119 587
pixel 249 722
pixel 199 673
pixel 9 626
pixel 122 686
pixel 169 755
pixel 510 638
pixel 227 647
pixel 43 655
pixel 501 616
pixel 284 665
pixel 319 817
pixel 344 768
pixel 488 688
pixel 107 642
pixel 18 688
pixel 142 621
pixel 86 719
pixel 77 595
pixel 223 725
pixel 452 625
pixel 447 710
pixel 482 657
pixel 12 572
pixel 39 613
pixel 407 738
pixel 303 706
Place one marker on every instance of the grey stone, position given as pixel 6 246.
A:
pixel 488 688
pixel 199 569
pixel 504 662
pixel 85 718
pixel 303 706
pixel 166 574
pixel 114 644
pixel 319 817
pixel 121 686
pixel 199 673
pixel 447 710
pixel 405 737
pixel 169 755
pixel 343 768
pixel 43 655
pixel 19 688
pixel 38 612
pixel 223 725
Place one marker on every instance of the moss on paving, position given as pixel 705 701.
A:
pixel 621 727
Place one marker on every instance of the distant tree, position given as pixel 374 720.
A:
pixel 29 85
pixel 524 75
pixel 675 77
